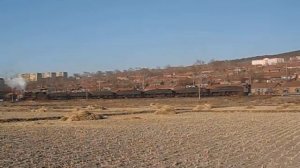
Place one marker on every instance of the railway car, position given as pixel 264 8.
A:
pixel 105 94
pixel 191 92
pixel 79 95
pixel 159 93
pixel 129 94
pixel 58 96
pixel 40 96
pixel 229 90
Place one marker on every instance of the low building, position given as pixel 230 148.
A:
pixel 287 88
pixel 35 76
pixel 268 61
pixel 296 58
pixel 291 88
pixel 266 89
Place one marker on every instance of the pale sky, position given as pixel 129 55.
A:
pixel 92 35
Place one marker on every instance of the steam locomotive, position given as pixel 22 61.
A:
pixel 229 90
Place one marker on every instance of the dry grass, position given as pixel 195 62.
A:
pixel 76 109
pixel 205 106
pixel 133 118
pixel 136 117
pixel 284 106
pixel 250 107
pixel 81 116
pixel 41 109
pixel 90 107
pixel 156 105
pixel 166 109
pixel 295 107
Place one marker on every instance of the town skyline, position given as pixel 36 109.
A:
pixel 282 56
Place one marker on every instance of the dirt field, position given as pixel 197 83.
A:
pixel 231 134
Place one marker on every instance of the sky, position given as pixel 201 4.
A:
pixel 101 35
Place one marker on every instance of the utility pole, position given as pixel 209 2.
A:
pixel 145 76
pixel 86 94
pixel 143 84
pixel 99 85
pixel 286 80
pixel 286 71
pixel 12 95
pixel 199 88
pixel 193 79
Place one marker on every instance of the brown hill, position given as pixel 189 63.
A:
pixel 285 55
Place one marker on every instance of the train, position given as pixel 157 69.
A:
pixel 227 90
pixel 2 94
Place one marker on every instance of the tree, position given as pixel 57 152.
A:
pixel 99 74
pixel 199 62
pixel 77 75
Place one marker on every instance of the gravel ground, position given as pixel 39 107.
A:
pixel 148 140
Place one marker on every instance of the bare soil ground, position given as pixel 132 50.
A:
pixel 231 134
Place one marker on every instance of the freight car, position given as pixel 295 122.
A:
pixel 191 92
pixel 105 94
pixel 79 95
pixel 130 94
pixel 58 96
pixel 41 95
pixel 230 90
pixel 159 93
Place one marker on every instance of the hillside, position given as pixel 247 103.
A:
pixel 285 55
pixel 215 72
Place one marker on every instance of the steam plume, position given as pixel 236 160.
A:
pixel 16 83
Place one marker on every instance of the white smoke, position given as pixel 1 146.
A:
pixel 16 83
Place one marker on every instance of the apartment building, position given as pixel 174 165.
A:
pixel 49 75
pixel 31 76
pixel 62 74
pixel 268 61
